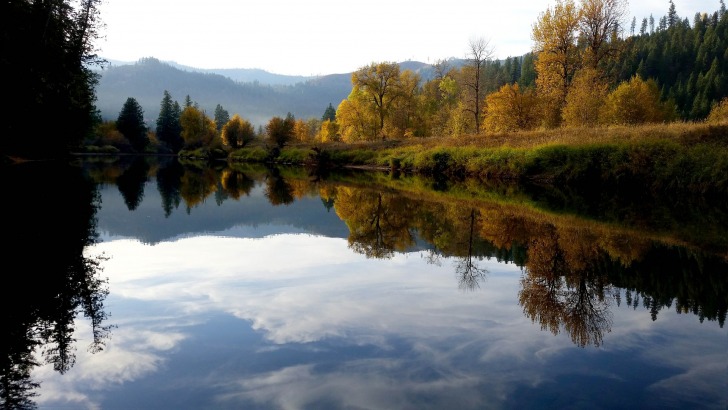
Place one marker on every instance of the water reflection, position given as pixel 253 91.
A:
pixel 49 279
pixel 575 272
pixel 572 268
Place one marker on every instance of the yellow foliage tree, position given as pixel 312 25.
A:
pixel 237 132
pixel 554 35
pixel 329 131
pixel 635 102
pixel 585 99
pixel 197 128
pixel 381 84
pixel 356 118
pixel 511 109
pixel 301 132
pixel 600 25
pixel 719 112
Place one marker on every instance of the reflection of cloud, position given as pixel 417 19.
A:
pixel 296 288
pixel 358 384
pixel 129 355
pixel 431 339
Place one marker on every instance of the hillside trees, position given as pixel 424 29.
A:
pixel 131 124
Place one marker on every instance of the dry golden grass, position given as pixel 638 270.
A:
pixel 680 132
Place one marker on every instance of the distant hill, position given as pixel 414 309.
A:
pixel 147 80
pixel 255 94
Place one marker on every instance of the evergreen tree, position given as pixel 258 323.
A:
pixel 633 26
pixel 221 117
pixel 672 17
pixel 329 113
pixel 131 124
pixel 188 101
pixel 168 126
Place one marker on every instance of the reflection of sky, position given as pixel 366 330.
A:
pixel 299 321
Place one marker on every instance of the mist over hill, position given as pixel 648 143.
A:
pixel 254 94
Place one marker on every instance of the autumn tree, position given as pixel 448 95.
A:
pixel 719 112
pixel 554 35
pixel 479 54
pixel 637 101
pixel 329 131
pixel 585 99
pixel 406 120
pixel 511 109
pixel 356 117
pixel 439 98
pixel 380 83
pixel 301 131
pixel 197 128
pixel 237 132
pixel 280 130
pixel 600 25
pixel 131 124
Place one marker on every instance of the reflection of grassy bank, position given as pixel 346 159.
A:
pixel 689 222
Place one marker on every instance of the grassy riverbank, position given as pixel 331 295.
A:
pixel 679 157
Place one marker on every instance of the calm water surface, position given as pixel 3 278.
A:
pixel 256 289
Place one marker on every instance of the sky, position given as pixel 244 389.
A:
pixel 322 37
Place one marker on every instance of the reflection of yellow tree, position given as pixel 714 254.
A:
pixel 196 185
pixel 560 288
pixel 236 184
pixel 378 223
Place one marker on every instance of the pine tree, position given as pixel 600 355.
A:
pixel 168 128
pixel 672 17
pixel 221 117
pixel 131 124
pixel 329 113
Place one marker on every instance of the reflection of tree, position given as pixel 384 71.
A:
pixel 378 223
pixel 468 273
pixel 169 182
pixel 43 296
pixel 131 183
pixel 277 190
pixel 236 184
pixel 197 184
pixel 553 294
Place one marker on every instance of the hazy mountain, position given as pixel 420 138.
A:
pixel 255 94
pixel 147 80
